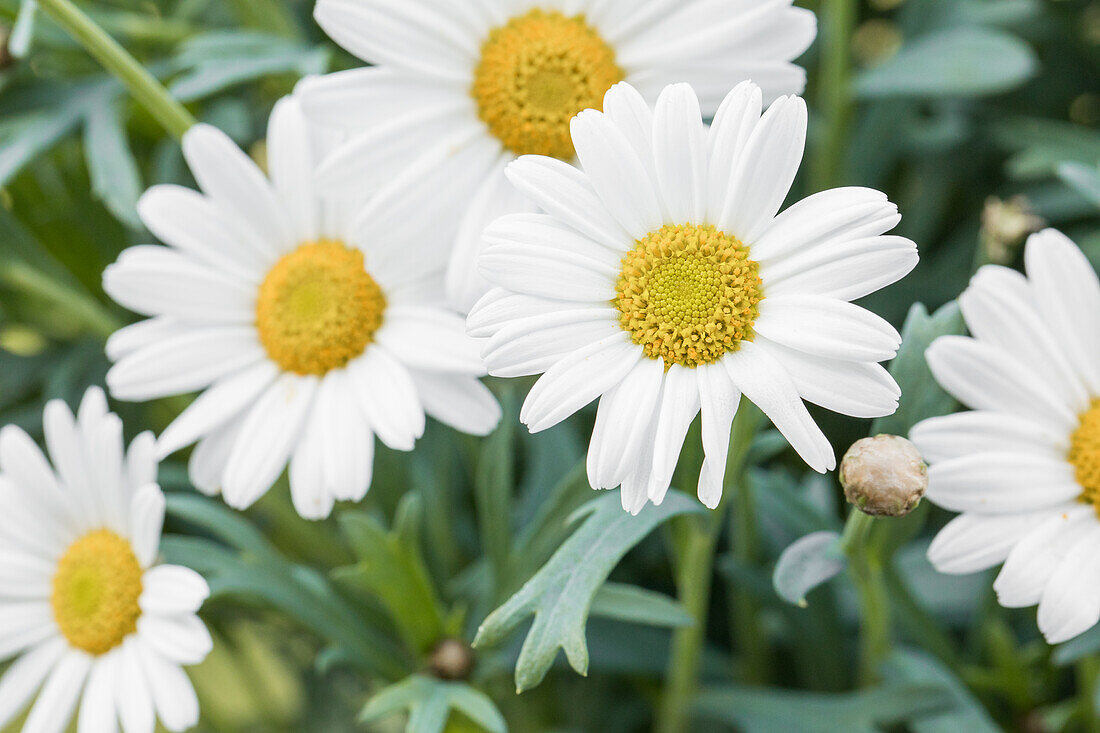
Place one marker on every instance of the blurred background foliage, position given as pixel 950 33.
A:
pixel 980 118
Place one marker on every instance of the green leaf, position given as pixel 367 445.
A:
pixel 963 713
pixel 1082 178
pixel 494 480
pixel 954 62
pixel 921 395
pixel 632 604
pixel 391 568
pixel 759 710
pixel 111 165
pixel 429 703
pixel 806 564
pixel 560 595
pixel 224 524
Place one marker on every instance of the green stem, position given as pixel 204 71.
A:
pixel 81 307
pixel 870 580
pixel 1088 684
pixel 148 92
pixel 694 573
pixel 834 96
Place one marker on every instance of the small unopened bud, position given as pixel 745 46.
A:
pixel 452 660
pixel 883 476
pixel 875 41
pixel 1005 226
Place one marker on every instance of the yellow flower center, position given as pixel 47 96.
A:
pixel 318 308
pixel 688 294
pixel 1084 454
pixel 536 73
pixel 96 590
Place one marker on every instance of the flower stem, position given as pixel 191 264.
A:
pixel 148 92
pixel 870 580
pixel 834 95
pixel 693 582
pixel 1088 685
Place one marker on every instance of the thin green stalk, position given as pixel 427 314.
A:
pixel 869 576
pixel 699 536
pixel 144 87
pixel 834 97
pixel 749 638
pixel 1088 685
pixel 77 305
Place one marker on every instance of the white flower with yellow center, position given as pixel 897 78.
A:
pixel 662 281
pixel 463 88
pixel 90 617
pixel 1023 467
pixel 312 325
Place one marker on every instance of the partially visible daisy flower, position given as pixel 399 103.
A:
pixel 91 618
pixel 312 325
pixel 463 88
pixel 663 282
pixel 1023 467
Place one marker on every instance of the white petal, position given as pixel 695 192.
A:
pixel 763 380
pixel 1067 293
pixel 133 698
pixel 462 402
pixel 180 639
pixel 191 222
pixel 847 270
pixel 308 489
pixel 172 589
pixel 679 406
pixel 834 329
pixel 578 379
pixel 733 125
pixel 627 109
pixel 533 345
pixel 680 152
pixel 174 697
pixel 1001 483
pixel 55 704
pixel 216 406
pixel 495 198
pixel 185 363
pixel 158 281
pixel 1070 603
pixel 388 398
pixel 97 708
pixel 208 460
pixel 566 194
pixel 143 333
pixel 765 170
pixel 267 437
pixel 23 463
pixel 1033 559
pixel 813 228
pixel 859 389
pixel 291 162
pixel 531 254
pixel 625 421
pixel 146 523
pixel 973 542
pixel 24 624
pixel 999 309
pixel 980 431
pixel 23 576
pixel 141 461
pixel 25 675
pixel 616 173
pixel 499 307
pixel 984 377
pixel 718 399
pixel 236 185
pixel 431 339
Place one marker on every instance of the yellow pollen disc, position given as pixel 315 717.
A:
pixel 318 308
pixel 688 294
pixel 96 590
pixel 1084 454
pixel 536 73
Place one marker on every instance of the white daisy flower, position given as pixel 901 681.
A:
pixel 662 281
pixel 312 325
pixel 463 88
pixel 85 609
pixel 1023 467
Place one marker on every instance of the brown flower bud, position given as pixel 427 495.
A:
pixel 1005 226
pixel 452 660
pixel 883 476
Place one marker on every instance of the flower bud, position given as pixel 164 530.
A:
pixel 1005 226
pixel 452 660
pixel 883 476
